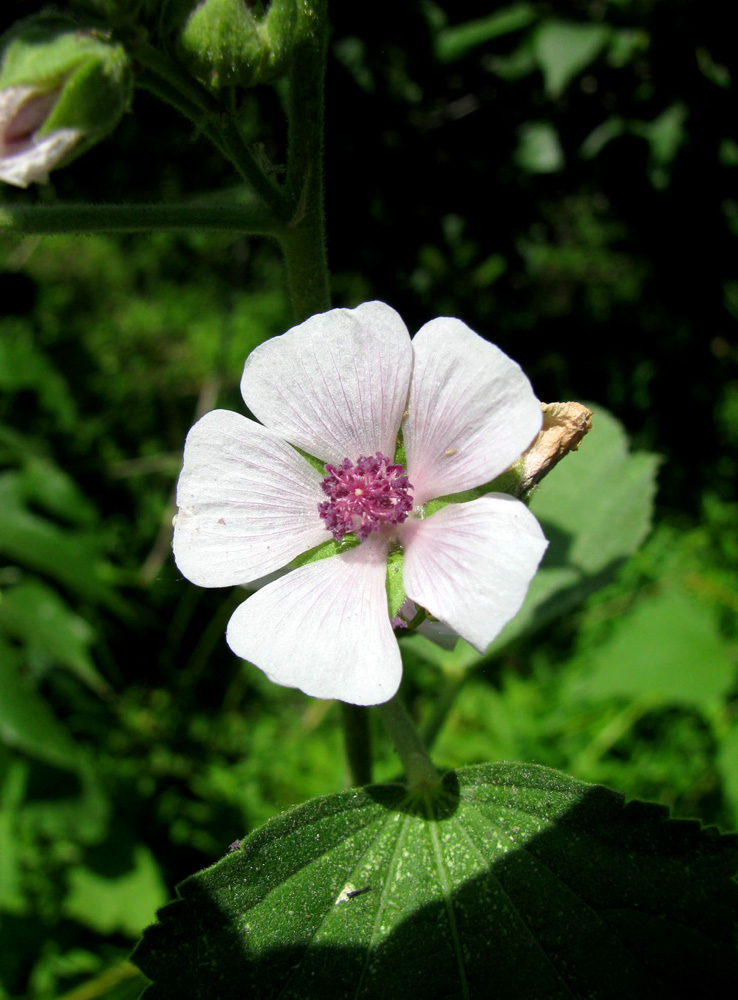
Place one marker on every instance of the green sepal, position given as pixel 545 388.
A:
pixel 400 456
pixel 93 75
pixel 325 550
pixel 508 482
pixel 395 591
pixel 44 51
pixel 434 505
pixel 315 462
pixel 93 98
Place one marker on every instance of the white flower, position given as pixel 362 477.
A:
pixel 339 386
pixel 25 156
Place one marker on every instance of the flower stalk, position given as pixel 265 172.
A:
pixel 422 776
pixel 254 220
pixel 303 238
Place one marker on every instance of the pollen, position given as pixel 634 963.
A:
pixel 365 496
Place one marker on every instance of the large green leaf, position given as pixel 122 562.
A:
pixel 521 882
pixel 669 646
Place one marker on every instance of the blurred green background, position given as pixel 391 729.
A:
pixel 561 176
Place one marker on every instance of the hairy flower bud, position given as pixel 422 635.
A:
pixel 236 42
pixel 62 89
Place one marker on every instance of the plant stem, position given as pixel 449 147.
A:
pixel 303 239
pixel 191 96
pixel 357 737
pixel 254 220
pixel 226 135
pixel 420 773
pixel 164 79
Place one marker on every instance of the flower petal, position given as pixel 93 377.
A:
pixel 336 385
pixel 32 164
pixel 324 628
pixel 471 411
pixel 248 502
pixel 470 564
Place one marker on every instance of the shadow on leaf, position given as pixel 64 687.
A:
pixel 536 886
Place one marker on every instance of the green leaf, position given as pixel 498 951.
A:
pixel 67 806
pixel 72 558
pixel 47 486
pixel 13 781
pixel 524 883
pixel 454 42
pixel 50 631
pixel 666 133
pixel 539 150
pixel 669 646
pixel 26 721
pixel 24 366
pixel 595 508
pixel 563 49
pixel 123 900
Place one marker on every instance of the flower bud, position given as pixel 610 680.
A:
pixel 237 42
pixel 62 89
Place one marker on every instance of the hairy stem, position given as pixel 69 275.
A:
pixel 164 79
pixel 303 239
pixel 254 220
pixel 420 773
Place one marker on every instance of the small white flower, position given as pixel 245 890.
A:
pixel 25 156
pixel 340 386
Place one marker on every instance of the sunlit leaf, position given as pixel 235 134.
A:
pixel 563 49
pixel 668 645
pixel 122 900
pixel 520 882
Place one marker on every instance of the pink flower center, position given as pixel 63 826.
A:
pixel 364 497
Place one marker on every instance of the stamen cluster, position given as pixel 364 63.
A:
pixel 365 496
